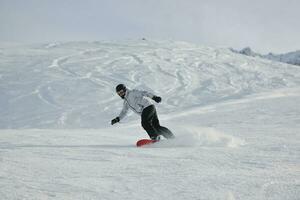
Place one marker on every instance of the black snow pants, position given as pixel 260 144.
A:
pixel 151 124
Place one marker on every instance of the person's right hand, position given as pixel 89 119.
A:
pixel 117 119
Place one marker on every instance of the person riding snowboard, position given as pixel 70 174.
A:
pixel 139 102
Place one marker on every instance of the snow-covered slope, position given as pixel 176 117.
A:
pixel 236 121
pixel 71 85
pixel 290 58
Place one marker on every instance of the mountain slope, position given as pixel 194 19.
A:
pixel 236 121
pixel 71 85
pixel 290 58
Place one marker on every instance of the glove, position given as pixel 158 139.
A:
pixel 117 119
pixel 157 99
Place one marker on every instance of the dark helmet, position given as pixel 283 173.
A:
pixel 120 87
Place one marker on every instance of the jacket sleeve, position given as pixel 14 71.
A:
pixel 146 94
pixel 124 110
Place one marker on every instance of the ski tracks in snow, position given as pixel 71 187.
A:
pixel 187 77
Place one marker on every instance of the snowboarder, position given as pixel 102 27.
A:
pixel 139 102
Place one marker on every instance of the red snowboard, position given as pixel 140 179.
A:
pixel 143 142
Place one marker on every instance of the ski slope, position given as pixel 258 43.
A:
pixel 236 121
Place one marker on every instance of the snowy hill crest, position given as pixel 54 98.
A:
pixel 290 58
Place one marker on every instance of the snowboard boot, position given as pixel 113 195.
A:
pixel 155 138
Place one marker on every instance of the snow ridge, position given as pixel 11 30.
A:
pixel 290 58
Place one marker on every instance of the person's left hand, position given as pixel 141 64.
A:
pixel 157 99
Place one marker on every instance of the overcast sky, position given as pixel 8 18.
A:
pixel 264 25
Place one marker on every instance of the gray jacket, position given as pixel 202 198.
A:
pixel 136 100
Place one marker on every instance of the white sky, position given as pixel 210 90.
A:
pixel 264 25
